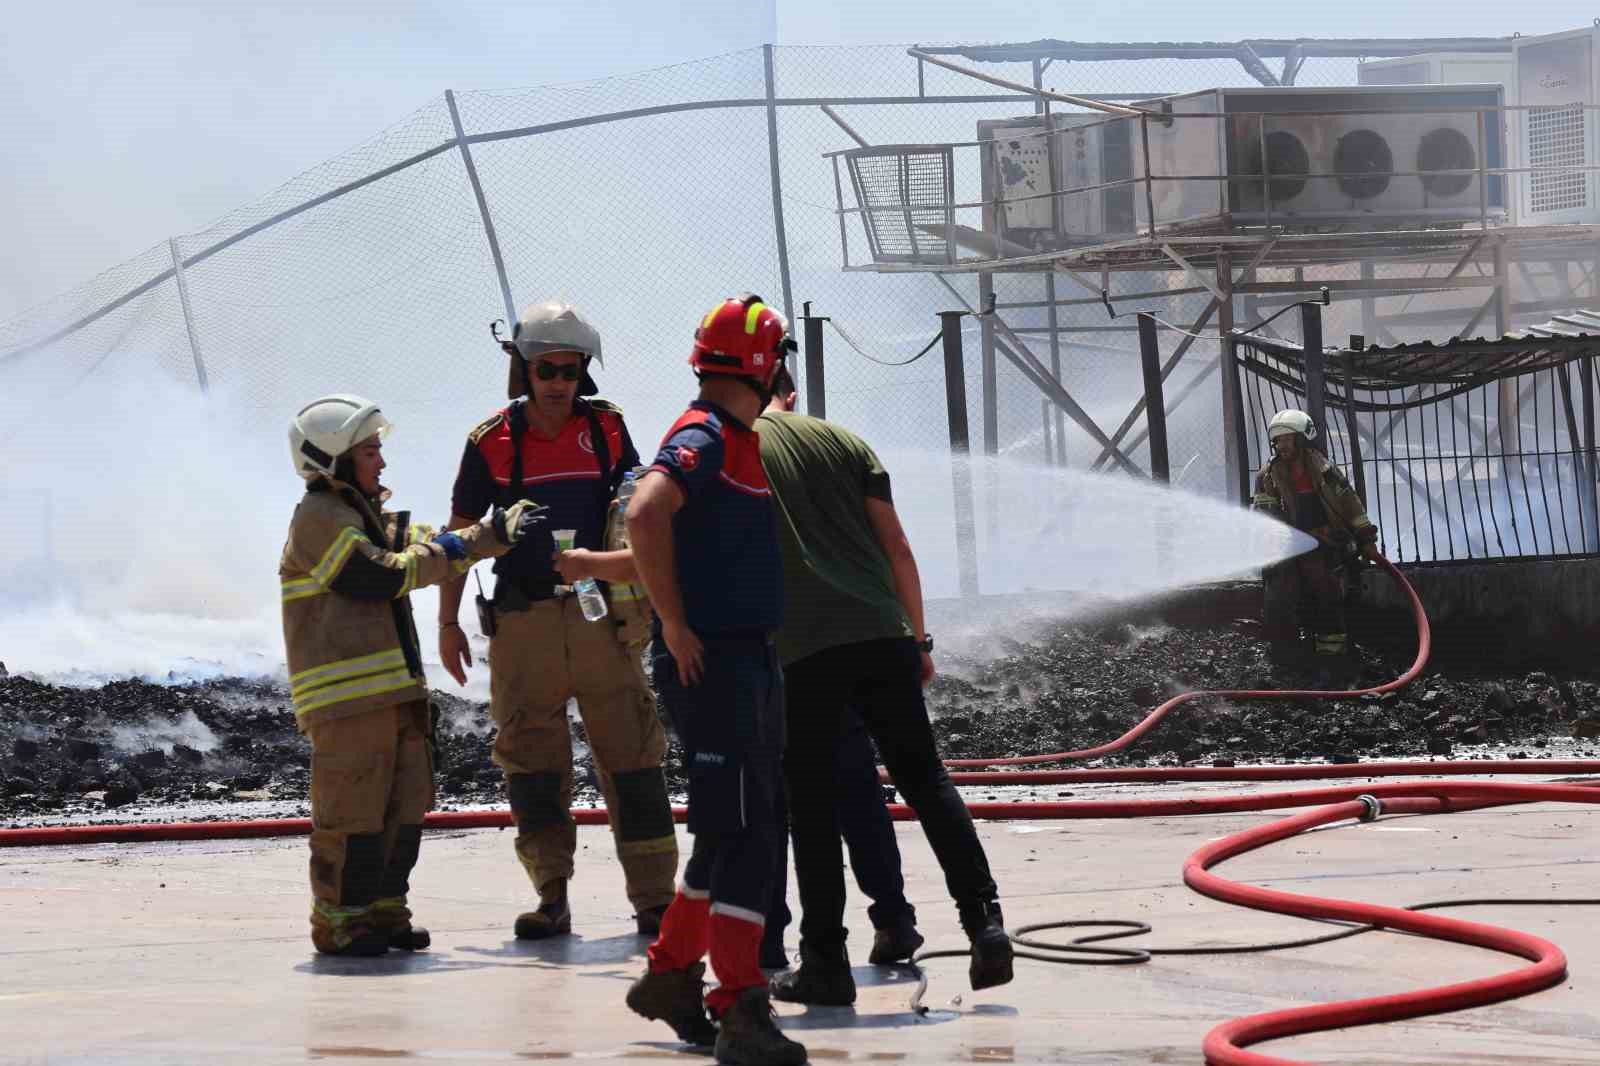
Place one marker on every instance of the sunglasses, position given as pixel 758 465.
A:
pixel 550 371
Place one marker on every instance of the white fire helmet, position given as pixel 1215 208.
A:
pixel 553 326
pixel 1291 421
pixel 326 428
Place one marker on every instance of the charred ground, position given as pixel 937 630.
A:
pixel 76 752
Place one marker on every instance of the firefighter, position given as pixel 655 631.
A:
pixel 355 669
pixel 559 445
pixel 705 543
pixel 1301 487
pixel 854 638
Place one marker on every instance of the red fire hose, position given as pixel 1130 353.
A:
pixel 1224 1045
pixel 1153 719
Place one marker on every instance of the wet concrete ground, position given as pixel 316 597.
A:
pixel 197 953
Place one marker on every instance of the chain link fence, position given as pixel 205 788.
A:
pixel 642 199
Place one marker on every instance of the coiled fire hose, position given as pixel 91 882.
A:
pixel 1226 1044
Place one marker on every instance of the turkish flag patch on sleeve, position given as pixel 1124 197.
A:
pixel 688 458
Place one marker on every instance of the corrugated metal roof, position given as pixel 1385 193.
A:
pixel 1568 336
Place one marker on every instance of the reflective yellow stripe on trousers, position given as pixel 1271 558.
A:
pixel 344 670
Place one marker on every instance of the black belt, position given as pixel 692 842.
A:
pixel 513 595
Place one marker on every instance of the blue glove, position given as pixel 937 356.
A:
pixel 452 545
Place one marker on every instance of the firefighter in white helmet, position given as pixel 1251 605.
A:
pixel 355 669
pixel 558 444
pixel 1301 487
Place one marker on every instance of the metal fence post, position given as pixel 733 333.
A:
pixel 1357 471
pixel 816 386
pixel 1155 405
pixel 777 182
pixel 483 208
pixel 955 392
pixel 1316 362
pixel 991 389
pixel 188 315
pixel 1236 458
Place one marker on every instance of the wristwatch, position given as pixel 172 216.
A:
pixel 926 643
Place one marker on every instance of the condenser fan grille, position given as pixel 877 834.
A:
pixel 1365 163
pixel 1446 149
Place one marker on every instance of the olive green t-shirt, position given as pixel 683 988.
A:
pixel 838 588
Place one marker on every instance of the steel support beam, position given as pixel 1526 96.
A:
pixel 188 315
pixel 989 377
pixel 1235 451
pixel 483 209
pixel 777 181
pixel 1166 371
pixel 816 381
pixel 1155 405
pixel 1021 356
pixel 955 392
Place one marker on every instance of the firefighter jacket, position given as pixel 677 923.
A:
pixel 347 570
pixel 1343 513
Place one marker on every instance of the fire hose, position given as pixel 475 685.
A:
pixel 1225 1045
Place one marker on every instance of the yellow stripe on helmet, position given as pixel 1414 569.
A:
pixel 752 315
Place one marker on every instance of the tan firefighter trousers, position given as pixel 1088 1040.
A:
pixel 540 658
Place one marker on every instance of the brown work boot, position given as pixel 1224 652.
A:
pixel 991 946
pixel 822 979
pixel 346 931
pixel 648 921
pixel 393 918
pixel 749 1037
pixel 675 997
pixel 553 918
pixel 896 943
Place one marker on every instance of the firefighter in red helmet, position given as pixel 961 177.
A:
pixel 705 543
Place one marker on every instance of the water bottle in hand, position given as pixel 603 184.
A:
pixel 591 601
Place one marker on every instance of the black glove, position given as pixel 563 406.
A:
pixel 513 523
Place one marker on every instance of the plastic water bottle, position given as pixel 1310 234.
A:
pixel 591 601
pixel 617 522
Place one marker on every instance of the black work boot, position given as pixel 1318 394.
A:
pixel 393 917
pixel 675 997
pixel 749 1037
pixel 991 946
pixel 335 932
pixel 553 918
pixel 822 979
pixel 895 943
pixel 648 921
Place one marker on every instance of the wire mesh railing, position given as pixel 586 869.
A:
pixel 641 198
pixel 1465 462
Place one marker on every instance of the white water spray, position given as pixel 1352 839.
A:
pixel 146 527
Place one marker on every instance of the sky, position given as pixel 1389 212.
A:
pixel 172 112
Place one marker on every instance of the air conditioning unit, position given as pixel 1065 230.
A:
pixel 1030 172
pixel 1459 68
pixel 1334 157
pixel 1556 81
pixel 1444 68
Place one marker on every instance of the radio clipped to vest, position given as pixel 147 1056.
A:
pixel 485 609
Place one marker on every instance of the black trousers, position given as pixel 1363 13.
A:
pixel 731 726
pixel 868 833
pixel 878 679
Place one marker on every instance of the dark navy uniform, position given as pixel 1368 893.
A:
pixel 731 722
pixel 544 653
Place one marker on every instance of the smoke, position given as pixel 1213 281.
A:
pixel 146 522
pixel 138 542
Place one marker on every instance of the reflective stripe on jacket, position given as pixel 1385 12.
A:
pixel 1275 495
pixel 346 573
